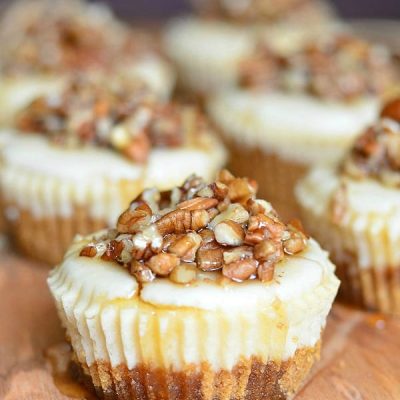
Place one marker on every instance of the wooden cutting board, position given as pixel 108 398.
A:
pixel 360 358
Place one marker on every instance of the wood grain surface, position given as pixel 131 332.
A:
pixel 360 359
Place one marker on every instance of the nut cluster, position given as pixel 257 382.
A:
pixel 376 153
pixel 199 227
pixel 62 36
pixel 249 10
pixel 340 68
pixel 119 114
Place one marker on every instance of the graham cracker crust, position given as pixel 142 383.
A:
pixel 276 176
pixel 250 379
pixel 47 239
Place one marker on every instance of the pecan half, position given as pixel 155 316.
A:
pixel 198 203
pixel 129 221
pixel 182 221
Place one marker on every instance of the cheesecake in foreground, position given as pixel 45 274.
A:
pixel 200 292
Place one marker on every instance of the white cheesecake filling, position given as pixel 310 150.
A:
pixel 297 127
pixel 207 53
pixel 166 325
pixel 370 227
pixel 48 180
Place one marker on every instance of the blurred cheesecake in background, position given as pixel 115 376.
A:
pixel 289 113
pixel 79 155
pixel 353 209
pixel 201 292
pixel 207 49
pixel 45 41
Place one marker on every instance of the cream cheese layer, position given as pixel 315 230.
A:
pixel 207 53
pixel 50 180
pixel 369 228
pixel 297 127
pixel 168 325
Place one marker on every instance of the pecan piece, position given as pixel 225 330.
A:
pixel 234 212
pixel 392 110
pixel 182 221
pixel 113 250
pixel 241 190
pixel 88 251
pixel 265 271
pixel 210 259
pixel 229 233
pixel 162 264
pixel 240 270
pixel 198 203
pixel 141 272
pixel 129 221
pixel 268 250
pixel 186 246
pixel 296 243
pixel 184 273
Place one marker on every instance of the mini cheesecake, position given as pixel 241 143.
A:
pixel 45 41
pixel 200 292
pixel 354 210
pixel 77 157
pixel 209 48
pixel 289 113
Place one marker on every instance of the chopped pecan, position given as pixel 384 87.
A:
pixel 220 190
pixel 240 270
pixel 186 246
pixel 237 253
pixel 129 221
pixel 142 273
pixel 184 273
pixel 241 190
pixel 162 264
pixel 268 250
pixel 229 233
pixel 234 212
pixel 113 250
pixel 198 203
pixel 88 251
pixel 392 110
pixel 296 243
pixel 265 271
pixel 210 259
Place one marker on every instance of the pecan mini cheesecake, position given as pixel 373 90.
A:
pixel 77 158
pixel 208 49
pixel 290 113
pixel 354 210
pixel 200 292
pixel 45 41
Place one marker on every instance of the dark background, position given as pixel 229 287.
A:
pixel 156 9
pixel 164 8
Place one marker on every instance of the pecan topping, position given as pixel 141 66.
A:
pixel 122 115
pixel 220 228
pixel 376 153
pixel 342 68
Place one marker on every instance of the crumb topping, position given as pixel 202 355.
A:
pixel 376 153
pixel 54 36
pixel 218 227
pixel 120 114
pixel 340 68
pixel 248 10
